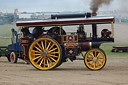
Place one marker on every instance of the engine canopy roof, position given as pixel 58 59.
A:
pixel 62 22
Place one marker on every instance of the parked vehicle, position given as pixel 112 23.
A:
pixel 15 49
pixel 4 52
pixel 119 49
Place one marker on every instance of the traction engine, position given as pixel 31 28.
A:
pixel 48 49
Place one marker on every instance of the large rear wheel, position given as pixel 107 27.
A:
pixel 95 59
pixel 45 53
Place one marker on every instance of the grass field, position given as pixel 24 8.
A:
pixel 6 34
pixel 108 47
pixel 5 30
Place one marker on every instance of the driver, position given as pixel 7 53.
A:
pixel 25 31
pixel 37 31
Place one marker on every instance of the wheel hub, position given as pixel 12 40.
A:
pixel 44 54
pixel 12 57
pixel 95 59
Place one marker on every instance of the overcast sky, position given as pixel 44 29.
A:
pixel 54 5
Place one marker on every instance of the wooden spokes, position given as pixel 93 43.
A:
pixel 95 59
pixel 44 53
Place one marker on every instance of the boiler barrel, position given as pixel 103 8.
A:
pixel 84 46
pixel 78 15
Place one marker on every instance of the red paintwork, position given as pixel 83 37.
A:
pixel 25 42
pixel 12 57
pixel 66 22
pixel 70 44
pixel 66 38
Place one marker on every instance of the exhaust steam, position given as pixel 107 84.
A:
pixel 96 4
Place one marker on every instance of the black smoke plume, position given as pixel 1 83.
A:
pixel 96 4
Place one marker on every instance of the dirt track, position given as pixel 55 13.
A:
pixel 71 73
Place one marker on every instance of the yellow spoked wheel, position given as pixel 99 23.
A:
pixel 95 59
pixel 45 53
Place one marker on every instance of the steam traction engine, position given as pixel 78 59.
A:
pixel 46 48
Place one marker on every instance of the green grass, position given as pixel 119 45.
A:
pixel 5 41
pixel 108 47
pixel 5 30
pixel 6 34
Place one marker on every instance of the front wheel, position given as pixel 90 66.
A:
pixel 13 57
pixel 45 53
pixel 95 59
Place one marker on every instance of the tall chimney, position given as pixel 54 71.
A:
pixel 94 31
